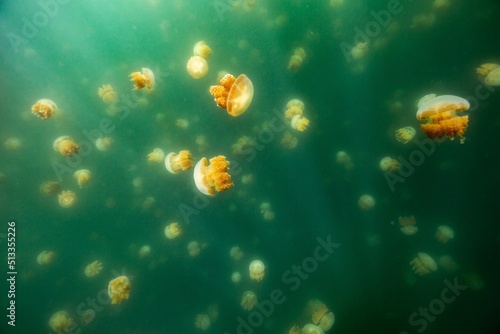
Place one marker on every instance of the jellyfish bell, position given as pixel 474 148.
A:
pixel 257 270
pixel 61 322
pixel 82 177
pixel 405 135
pixel 233 94
pixel 295 103
pixel 248 300
pixel 176 163
pixel 213 177
pixel 65 145
pixel 408 225
pixel 202 321
pixel 173 230
pixel 103 143
pixel 236 277
pixel 197 67
pixel 144 251
pixel 142 79
pixel 425 98
pixel 44 108
pixel 45 257
pixel 107 94
pixel 156 156
pixel 119 289
pixel 493 78
pixel 93 269
pixel 50 188
pixel 67 198
pixel 311 329
pixel 299 123
pixel 423 264
pixel 202 49
pixel 389 164
pixel 444 233
pixel 366 202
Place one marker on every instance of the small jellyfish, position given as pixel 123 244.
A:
pixel 103 143
pixel 441 115
pixel 423 264
pixel 65 145
pixel 366 202
pixel 61 322
pixel 93 269
pixel 157 156
pixel 447 263
pixel 82 176
pixel 45 257
pixel 212 177
pixel 13 144
pixel 197 67
pixel 236 253
pixel 193 248
pixel 311 329
pixel 107 94
pixel 182 123
pixel 293 111
pixel 144 251
pixel 344 159
pixel 257 270
pixel 173 230
pixel 296 60
pixel 44 108
pixel 233 94
pixel 388 164
pixel 236 277
pixel 408 225
pixel 405 135
pixel 248 300
pixel 202 321
pixel 491 74
pixel 299 123
pixel 444 233
pixel 289 141
pixel 182 161
pixel 267 211
pixel 143 79
pixel 360 50
pixel 119 289
pixel 321 316
pixel 67 198
pixel 50 188
pixel 295 103
pixel 202 49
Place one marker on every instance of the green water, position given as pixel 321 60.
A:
pixel 66 50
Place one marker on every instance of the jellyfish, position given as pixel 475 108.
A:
pixel 182 161
pixel 247 179
pixel 44 108
pixel 236 253
pixel 157 156
pixel 212 177
pixel 321 316
pixel 248 300
pixel 344 159
pixel 360 50
pixel 103 143
pixel 491 74
pixel 299 123
pixel 233 94
pixel 441 4
pixel 172 230
pixel 296 60
pixel 67 198
pixel 295 103
pixel 447 263
pixel 119 289
pixel 293 111
pixel 444 233
pixel 182 123
pixel 50 188
pixel 257 270
pixel 388 164
pixel 93 269
pixel 311 329
pixel 441 115
pixel 12 144
pixel 144 251
pixel 197 67
pixel 107 94
pixel 266 211
pixel 202 321
pixel 202 49
pixel 45 257
pixel 236 277
pixel 148 203
pixel 289 141
pixel 142 79
pixel 423 21
pixel 193 248
pixel 366 202
pixel 405 135
pixel 423 264
pixel 65 145
pixel 408 225
pixel 82 176
pixel 61 322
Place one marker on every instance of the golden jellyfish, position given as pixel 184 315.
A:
pixel 311 329
pixel 202 49
pixel 119 289
pixel 157 156
pixel 247 179
pixel 299 123
pixel 248 300
pixel 45 257
pixel 233 94
pixel 142 79
pixel 296 60
pixel 107 94
pixel 182 161
pixel 491 74
pixel 236 253
pixel 444 233
pixel 93 269
pixel 267 211
pixel 67 198
pixel 405 135
pixel 44 108
pixel 289 141
pixel 236 277
pixel 293 111
pixel 212 177
pixel 172 230
pixel 50 188
pixel 103 143
pixel 193 248
pixel 295 103
pixel 197 67
pixel 441 115
pixel 423 264
pixel 366 202
pixel 61 322
pixel 144 251
pixel 321 316
pixel 447 263
pixel 12 144
pixel 344 159
pixel 388 164
pixel 257 270
pixel 202 321
pixel 65 145
pixel 360 50
pixel 408 225
pixel 82 176
pixel 182 123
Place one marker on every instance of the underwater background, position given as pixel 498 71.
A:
pixel 66 50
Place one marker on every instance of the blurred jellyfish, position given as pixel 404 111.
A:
pixel 142 79
pixel 12 144
pixel 360 50
pixel 93 269
pixel 212 177
pixel 202 321
pixel 44 108
pixel 156 156
pixel 311 329
pixel 447 263
pixel 82 177
pixel 366 202
pixel 182 123
pixel 296 60
pixel 408 225
pixel 202 49
pixel 444 233
pixel 289 141
pixel 423 264
pixel 50 188
pixel 405 135
pixel 247 179
pixel 65 145
pixel 236 277
pixel 144 251
pixel 107 94
pixel 299 123
pixel 119 289
pixel 248 300
pixel 175 163
pixel 266 211
pixel 67 198
pixel 193 248
pixel 197 67
pixel 173 230
pixel 388 164
pixel 236 253
pixel 103 143
pixel 233 94
pixel 45 257
pixel 257 270
pixel 441 4
pixel 61 322
pixel 423 21
pixel 344 159
pixel 491 74
pixel 321 316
